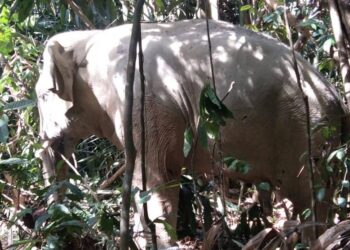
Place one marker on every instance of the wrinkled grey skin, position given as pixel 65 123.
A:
pixel 81 92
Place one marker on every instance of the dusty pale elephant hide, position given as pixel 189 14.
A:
pixel 81 92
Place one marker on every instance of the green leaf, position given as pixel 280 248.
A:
pixel 306 213
pixel 74 189
pixel 341 202
pixel 237 165
pixel 23 8
pixel 58 210
pixel 19 104
pixel 202 135
pixel 168 228
pixel 40 221
pixel 339 154
pixel 326 46
pixel 69 223
pixel 4 132
pixel 13 161
pixel 160 5
pixel 264 186
pixel 106 223
pixel 23 242
pixel 145 196
pixel 321 193
pixel 188 140
pixel 245 7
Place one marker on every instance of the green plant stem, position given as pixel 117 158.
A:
pixel 308 128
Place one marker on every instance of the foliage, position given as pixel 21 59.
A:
pixel 93 218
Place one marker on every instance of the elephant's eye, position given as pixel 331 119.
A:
pixel 43 96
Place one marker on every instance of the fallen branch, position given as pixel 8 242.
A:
pixel 106 183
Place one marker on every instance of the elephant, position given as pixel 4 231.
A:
pixel 81 92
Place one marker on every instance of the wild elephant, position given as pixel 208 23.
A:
pixel 81 92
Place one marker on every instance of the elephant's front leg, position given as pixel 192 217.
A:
pixel 165 127
pixel 162 210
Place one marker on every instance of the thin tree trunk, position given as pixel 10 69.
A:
pixel 340 39
pixel 130 151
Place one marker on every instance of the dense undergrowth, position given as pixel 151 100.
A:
pixel 88 218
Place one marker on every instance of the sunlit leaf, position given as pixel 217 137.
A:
pixel 168 228
pixel 338 154
pixel 341 202
pixel 345 184
pixel 306 213
pixel 328 44
pixel 245 7
pixel 13 161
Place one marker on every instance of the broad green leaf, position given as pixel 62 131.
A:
pixel 245 7
pixel 58 210
pixel 13 161
pixel 339 154
pixel 212 130
pixel 188 140
pixel 23 8
pixel 74 189
pixel 6 45
pixel 41 220
pixel 160 5
pixel 19 104
pixel 4 15
pixel 328 44
pixel 107 223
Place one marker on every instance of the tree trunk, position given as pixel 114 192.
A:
pixel 340 25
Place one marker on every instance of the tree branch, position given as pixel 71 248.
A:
pixel 308 127
pixel 130 151
pixel 77 10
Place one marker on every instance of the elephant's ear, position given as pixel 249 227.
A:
pixel 62 71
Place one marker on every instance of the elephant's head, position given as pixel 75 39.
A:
pixel 55 91
pixel 66 100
